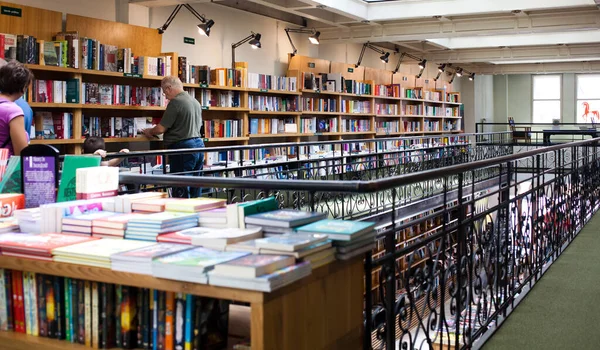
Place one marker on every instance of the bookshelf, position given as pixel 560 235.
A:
pixel 367 115
pixel 327 304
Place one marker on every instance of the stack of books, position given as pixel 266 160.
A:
pixel 124 203
pixel 191 265
pixel 264 273
pixel 96 252
pixel 216 218
pixel 183 236
pixel 36 246
pixel 315 249
pixel 82 224
pixel 195 205
pixel 29 220
pixel 237 212
pixel 282 221
pixel 152 205
pixel 150 226
pixel 9 224
pixel 351 238
pixel 140 260
pixel 113 226
pixel 218 239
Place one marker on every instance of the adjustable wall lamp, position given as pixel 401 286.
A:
pixel 313 38
pixel 422 62
pixel 203 27
pixel 385 56
pixel 252 39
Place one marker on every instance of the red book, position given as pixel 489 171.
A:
pixel 9 202
pixel 1 45
pixel 49 91
pixel 95 195
pixel 18 304
pixel 37 246
pixel 59 128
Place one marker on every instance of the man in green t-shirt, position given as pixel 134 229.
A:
pixel 181 125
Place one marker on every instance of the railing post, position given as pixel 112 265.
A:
pixel 461 254
pixel 390 281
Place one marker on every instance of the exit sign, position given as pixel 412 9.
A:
pixel 190 41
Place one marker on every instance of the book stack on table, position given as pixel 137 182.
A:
pixel 82 224
pixel 38 247
pixel 259 272
pixel 140 260
pixel 96 252
pixel 113 226
pixel 282 221
pixel 148 227
pixel 351 238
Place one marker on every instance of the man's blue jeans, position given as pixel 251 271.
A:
pixel 184 163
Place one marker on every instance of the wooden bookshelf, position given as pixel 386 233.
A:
pixel 327 305
pixel 274 113
pixel 55 141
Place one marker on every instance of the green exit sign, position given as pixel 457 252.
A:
pixel 190 41
pixel 350 70
pixel 12 11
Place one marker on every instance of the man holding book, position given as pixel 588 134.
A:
pixel 181 125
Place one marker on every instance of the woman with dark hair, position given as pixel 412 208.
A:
pixel 14 79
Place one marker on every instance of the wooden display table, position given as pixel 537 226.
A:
pixel 321 311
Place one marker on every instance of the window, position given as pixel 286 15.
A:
pixel 588 98
pixel 546 98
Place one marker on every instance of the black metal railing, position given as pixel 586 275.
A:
pixel 383 158
pixel 541 133
pixel 449 274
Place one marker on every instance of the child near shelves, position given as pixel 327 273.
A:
pixel 96 145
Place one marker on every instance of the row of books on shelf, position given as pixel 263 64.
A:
pixel 386 109
pixel 335 82
pixel 432 95
pixel 271 82
pixel 114 126
pixel 204 75
pixel 431 125
pixel 442 111
pixel 387 127
pixel 106 315
pixel 124 95
pixel 412 109
pixel 356 125
pixel 273 125
pixel 389 90
pixel 453 125
pixel 273 103
pixel 53 125
pixel 216 98
pixel 319 104
pixel 223 128
pixel 54 91
pixel 318 125
pixel 351 106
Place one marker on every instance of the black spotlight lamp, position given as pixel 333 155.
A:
pixel 252 39
pixel 385 56
pixel 203 27
pixel 313 36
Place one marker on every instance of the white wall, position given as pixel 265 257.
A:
pixel 230 26
pixel 483 103
pixel 102 9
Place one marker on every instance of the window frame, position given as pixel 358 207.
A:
pixel 577 99
pixel 559 99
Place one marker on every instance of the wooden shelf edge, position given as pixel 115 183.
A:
pixel 99 274
pixel 258 136
pixel 227 139
pixel 55 141
pixel 276 92
pixel 273 113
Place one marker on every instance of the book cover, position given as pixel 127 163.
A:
pixel 179 329
pixel 189 305
pixel 9 202
pixel 154 309
pixel 95 317
pixel 33 296
pixel 161 319
pixel 117 314
pixel 74 302
pixel 3 302
pixel 81 312
pixel 251 208
pixel 27 303
pixel 150 252
pixel 184 236
pixel 67 299
pixel 118 222
pixel 39 244
pixel 337 227
pixel 87 218
pixel 67 186
pixel 219 238
pixel 201 258
pixel 169 320
pixel 195 204
pixel 59 306
pixel 290 242
pixel 252 266
pixel 284 218
pixel 99 248
pixel 88 313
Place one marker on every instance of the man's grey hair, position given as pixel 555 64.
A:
pixel 171 81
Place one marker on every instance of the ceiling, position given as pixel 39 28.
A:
pixel 484 36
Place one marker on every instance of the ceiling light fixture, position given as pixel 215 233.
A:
pixel 442 68
pixel 459 72
pixel 313 38
pixel 423 64
pixel 252 39
pixel 384 54
pixel 203 27
pixel 472 76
